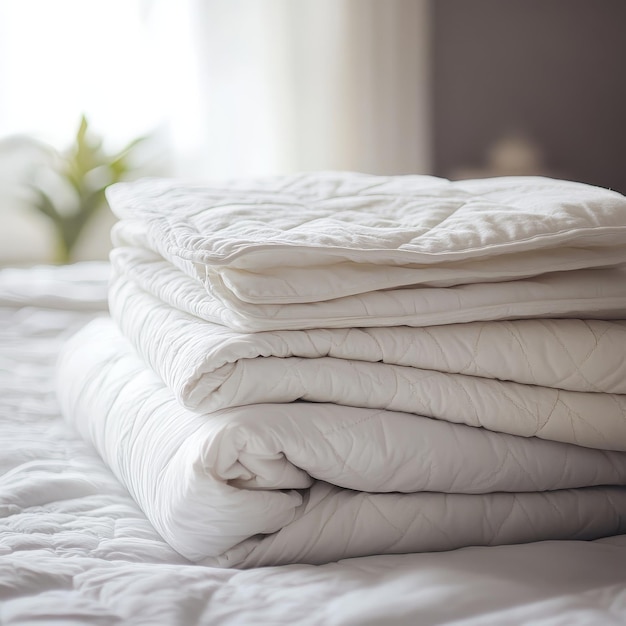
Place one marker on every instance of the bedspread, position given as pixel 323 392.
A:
pixel 75 547
pixel 304 482
pixel 318 249
pixel 334 364
pixel 556 379
pixel 580 294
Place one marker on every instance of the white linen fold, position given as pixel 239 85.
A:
pixel 580 294
pixel 339 249
pixel 577 355
pixel 337 219
pixel 304 482
pixel 544 378
pixel 328 365
pixel 79 286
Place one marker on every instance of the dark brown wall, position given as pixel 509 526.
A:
pixel 553 69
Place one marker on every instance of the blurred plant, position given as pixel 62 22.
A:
pixel 69 188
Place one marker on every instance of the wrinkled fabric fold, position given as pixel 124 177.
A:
pixel 326 365
pixel 321 219
pixel 269 484
pixel 580 294
pixel 434 372
pixel 315 250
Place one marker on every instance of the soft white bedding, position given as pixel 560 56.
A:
pixel 558 379
pixel 75 548
pixel 243 487
pixel 338 249
pixel 225 438
pixel 579 294
pixel 412 228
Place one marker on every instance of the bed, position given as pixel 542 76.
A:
pixel 86 540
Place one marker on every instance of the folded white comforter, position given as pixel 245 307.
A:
pixel 579 294
pixel 563 380
pixel 269 414
pixel 306 482
pixel 340 249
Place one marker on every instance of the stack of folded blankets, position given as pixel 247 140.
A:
pixel 328 365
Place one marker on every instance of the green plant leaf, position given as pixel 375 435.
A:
pixel 45 205
pixel 85 169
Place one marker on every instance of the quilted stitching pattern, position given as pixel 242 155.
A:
pixel 381 233
pixel 415 214
pixel 373 364
pixel 209 483
pixel 588 294
pixel 91 552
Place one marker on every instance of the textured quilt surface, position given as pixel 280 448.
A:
pixel 560 379
pixel 317 249
pixel 362 364
pixel 499 228
pixel 268 484
pixel 76 549
pixel 583 294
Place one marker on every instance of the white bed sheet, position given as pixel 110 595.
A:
pixel 75 549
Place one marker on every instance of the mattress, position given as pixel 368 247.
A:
pixel 76 548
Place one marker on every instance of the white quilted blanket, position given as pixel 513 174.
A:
pixel 76 549
pixel 563 380
pixel 582 294
pixel 340 249
pixel 294 337
pixel 301 482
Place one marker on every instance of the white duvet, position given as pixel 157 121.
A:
pixel 579 294
pixel 342 249
pixel 268 484
pixel 330 365
pixel 563 380
pixel 75 548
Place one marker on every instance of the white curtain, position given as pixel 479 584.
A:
pixel 62 58
pixel 313 84
pixel 226 87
